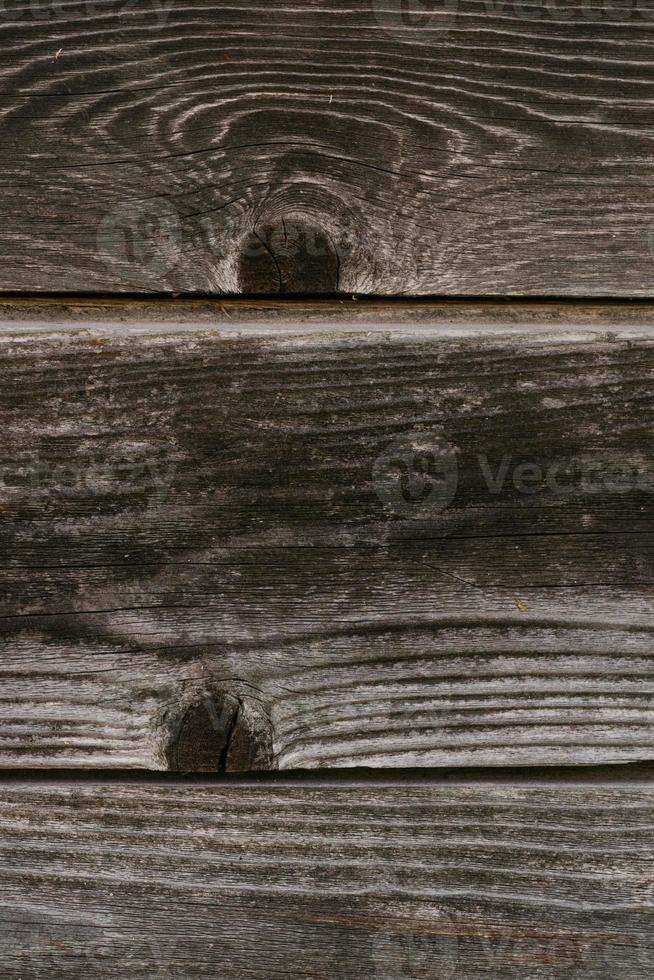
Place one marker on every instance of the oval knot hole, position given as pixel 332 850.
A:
pixel 220 733
pixel 289 256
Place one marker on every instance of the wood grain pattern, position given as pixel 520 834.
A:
pixel 206 566
pixel 382 147
pixel 412 880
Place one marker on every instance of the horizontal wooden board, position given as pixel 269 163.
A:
pixel 411 545
pixel 412 880
pixel 379 147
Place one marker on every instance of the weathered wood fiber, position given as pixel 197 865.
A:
pixel 209 563
pixel 454 147
pixel 415 880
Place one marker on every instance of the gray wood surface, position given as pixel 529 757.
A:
pixel 379 147
pixel 409 880
pixel 242 544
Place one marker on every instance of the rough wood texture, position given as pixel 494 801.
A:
pixel 416 880
pixel 447 147
pixel 213 559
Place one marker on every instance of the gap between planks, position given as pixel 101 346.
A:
pixel 531 319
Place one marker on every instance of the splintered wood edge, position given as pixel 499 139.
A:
pixel 574 321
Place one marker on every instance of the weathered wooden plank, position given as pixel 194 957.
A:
pixel 212 559
pixel 416 879
pixel 454 147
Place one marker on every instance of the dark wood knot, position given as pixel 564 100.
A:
pixel 289 256
pixel 220 732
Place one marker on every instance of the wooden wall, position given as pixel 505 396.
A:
pixel 326 489
pixel 378 542
pixel 395 147
pixel 427 878
pixel 421 545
